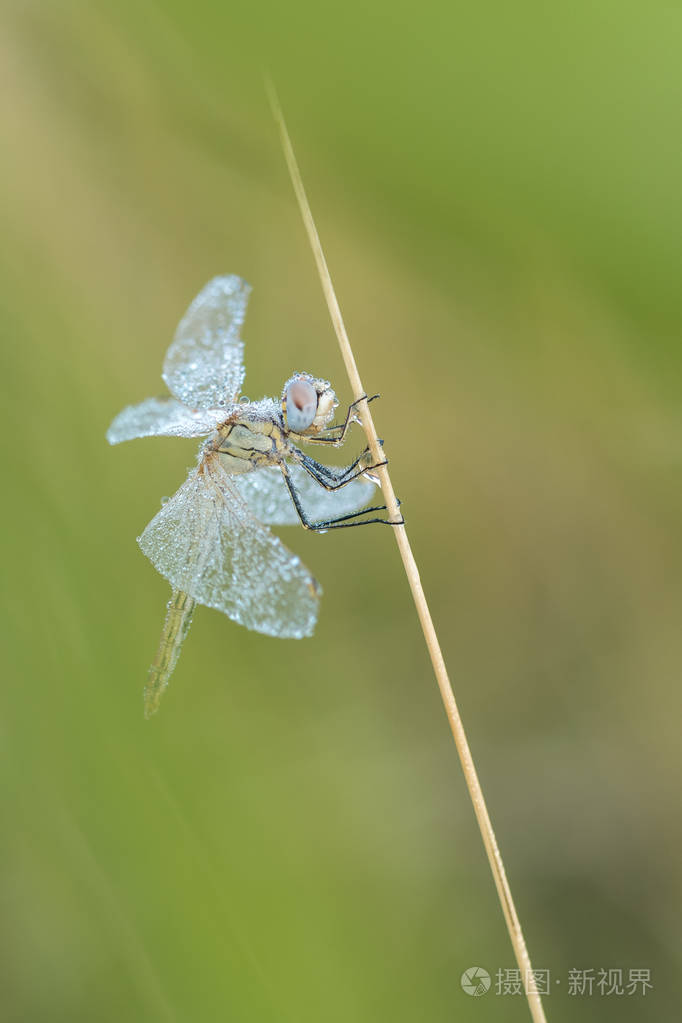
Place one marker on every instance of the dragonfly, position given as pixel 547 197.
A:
pixel 212 540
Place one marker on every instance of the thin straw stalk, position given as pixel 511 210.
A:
pixel 412 572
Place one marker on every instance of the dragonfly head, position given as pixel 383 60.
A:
pixel 308 403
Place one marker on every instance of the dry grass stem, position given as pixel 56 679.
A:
pixel 447 695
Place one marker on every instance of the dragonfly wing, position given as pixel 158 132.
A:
pixel 204 366
pixel 266 494
pixel 206 542
pixel 163 417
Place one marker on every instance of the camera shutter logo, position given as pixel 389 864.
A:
pixel 475 981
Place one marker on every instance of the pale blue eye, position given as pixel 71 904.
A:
pixel 301 405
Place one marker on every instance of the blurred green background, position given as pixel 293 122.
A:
pixel 498 190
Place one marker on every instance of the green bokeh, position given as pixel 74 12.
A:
pixel 290 839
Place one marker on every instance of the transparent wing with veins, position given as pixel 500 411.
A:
pixel 266 494
pixel 207 543
pixel 163 417
pixel 204 366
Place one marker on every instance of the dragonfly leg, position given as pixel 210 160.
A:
pixel 342 521
pixel 344 472
pixel 337 440
pixel 336 474
pixel 334 478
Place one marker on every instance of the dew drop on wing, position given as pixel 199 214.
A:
pixel 207 544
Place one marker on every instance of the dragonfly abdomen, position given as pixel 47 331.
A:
pixel 175 629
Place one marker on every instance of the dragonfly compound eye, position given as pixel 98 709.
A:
pixel 301 405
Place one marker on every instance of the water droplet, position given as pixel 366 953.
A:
pixel 244 400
